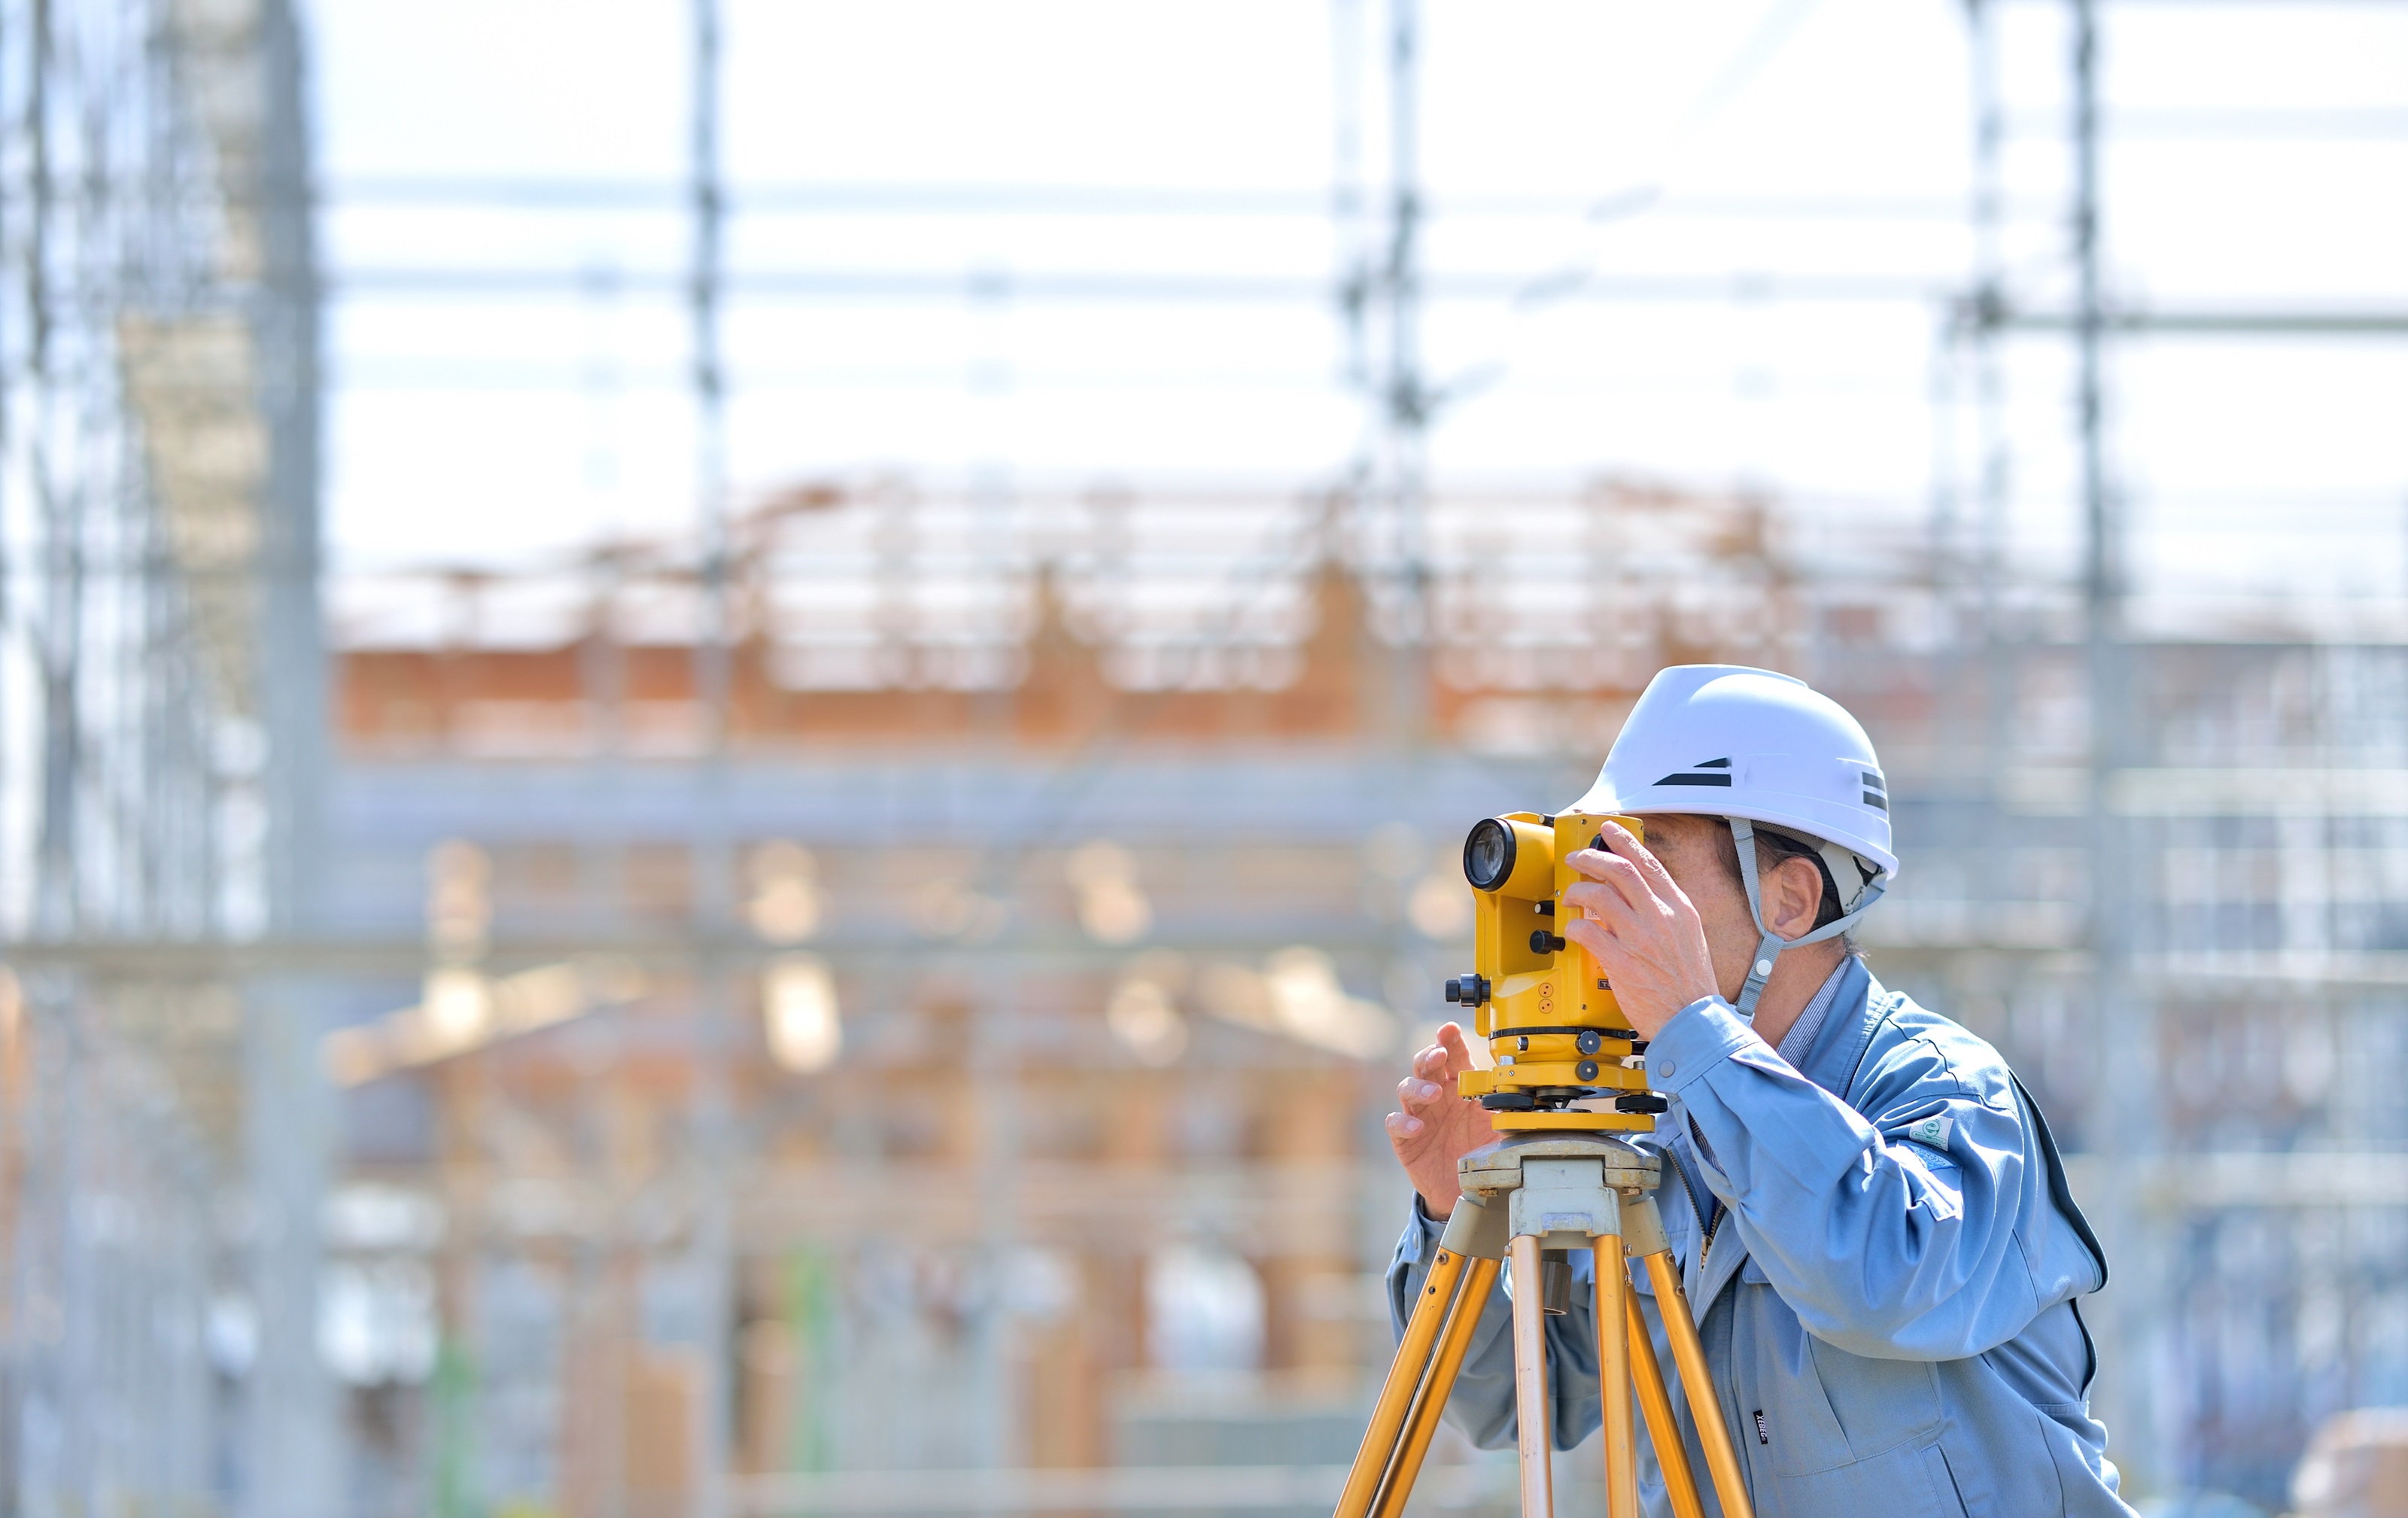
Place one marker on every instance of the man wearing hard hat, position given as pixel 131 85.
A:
pixel 1871 1220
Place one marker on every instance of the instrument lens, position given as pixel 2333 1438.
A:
pixel 1489 854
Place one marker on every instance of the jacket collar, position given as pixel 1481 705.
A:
pixel 1840 1047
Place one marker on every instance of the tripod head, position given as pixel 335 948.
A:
pixel 1550 1018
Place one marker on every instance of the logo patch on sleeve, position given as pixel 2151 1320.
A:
pixel 1934 1131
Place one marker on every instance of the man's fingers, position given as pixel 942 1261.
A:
pixel 1596 897
pixel 1611 872
pixel 1591 935
pixel 1601 945
pixel 1424 1093
pixel 1629 868
pixel 1404 1124
pixel 1418 1094
pixel 1459 1052
pixel 1643 860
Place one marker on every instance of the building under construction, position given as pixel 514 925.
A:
pixel 1154 948
pixel 882 1001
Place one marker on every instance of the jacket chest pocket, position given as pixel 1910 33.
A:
pixel 1807 1407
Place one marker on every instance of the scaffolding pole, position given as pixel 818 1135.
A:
pixel 712 1247
pixel 2122 1126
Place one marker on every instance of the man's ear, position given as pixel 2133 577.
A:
pixel 1797 898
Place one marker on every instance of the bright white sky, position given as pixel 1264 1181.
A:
pixel 2261 158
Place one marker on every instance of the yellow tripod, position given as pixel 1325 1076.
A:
pixel 1561 1189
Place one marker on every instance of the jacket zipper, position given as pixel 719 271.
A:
pixel 1696 1211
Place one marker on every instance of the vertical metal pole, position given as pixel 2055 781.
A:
pixel 709 204
pixel 292 665
pixel 54 910
pixel 1406 728
pixel 2121 1127
pixel 1405 391
pixel 713 855
pixel 1988 310
pixel 597 1290
pixel 2099 578
pixel 1346 196
pixel 292 1467
pixel 1982 322
pixel 992 1426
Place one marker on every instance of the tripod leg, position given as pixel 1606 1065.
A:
pixel 1663 1429
pixel 1404 1376
pixel 1530 1408
pixel 1689 1355
pixel 1613 1380
pixel 1422 1424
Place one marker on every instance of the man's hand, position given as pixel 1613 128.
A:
pixel 1642 929
pixel 1436 1126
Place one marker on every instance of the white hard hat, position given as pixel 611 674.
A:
pixel 1725 740
pixel 1753 746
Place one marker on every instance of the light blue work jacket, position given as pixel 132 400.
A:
pixel 1886 1300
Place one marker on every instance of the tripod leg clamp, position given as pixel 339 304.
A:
pixel 1642 1226
pixel 1477 1231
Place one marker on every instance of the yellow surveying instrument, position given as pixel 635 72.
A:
pixel 1557 1179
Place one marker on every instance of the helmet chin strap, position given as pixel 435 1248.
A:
pixel 1770 946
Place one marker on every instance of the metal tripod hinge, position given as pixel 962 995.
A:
pixel 1564 1190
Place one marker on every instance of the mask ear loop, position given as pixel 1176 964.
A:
pixel 1770 946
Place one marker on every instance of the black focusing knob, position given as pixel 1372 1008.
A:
pixel 1466 990
pixel 1585 1069
pixel 1544 942
pixel 1588 1042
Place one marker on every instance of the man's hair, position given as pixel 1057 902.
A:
pixel 1772 848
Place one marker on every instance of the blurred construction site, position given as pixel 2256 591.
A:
pixel 682 832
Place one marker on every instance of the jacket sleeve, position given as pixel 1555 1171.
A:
pixel 1481 1407
pixel 1891 1232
